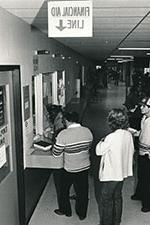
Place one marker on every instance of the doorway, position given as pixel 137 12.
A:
pixel 12 194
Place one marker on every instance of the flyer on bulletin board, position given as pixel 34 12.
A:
pixel 2 155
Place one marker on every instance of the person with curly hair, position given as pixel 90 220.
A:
pixel 116 151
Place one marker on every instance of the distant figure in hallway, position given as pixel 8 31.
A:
pixel 116 151
pixel 74 144
pixel 116 77
pixel 143 187
pixel 104 77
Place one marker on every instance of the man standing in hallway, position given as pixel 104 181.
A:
pixel 143 187
pixel 74 144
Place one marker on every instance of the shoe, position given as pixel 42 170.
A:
pixel 82 217
pixel 136 198
pixel 68 214
pixel 145 210
pixel 60 213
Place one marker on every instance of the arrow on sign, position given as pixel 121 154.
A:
pixel 60 27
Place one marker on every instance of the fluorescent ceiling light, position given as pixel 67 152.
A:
pixel 125 60
pixel 122 56
pixel 137 49
pixel 119 58
pixel 128 60
pixel 110 59
pixel 148 53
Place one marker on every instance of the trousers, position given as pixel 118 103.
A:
pixel 110 202
pixel 80 182
pixel 143 185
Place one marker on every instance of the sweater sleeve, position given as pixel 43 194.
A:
pixel 102 147
pixel 59 146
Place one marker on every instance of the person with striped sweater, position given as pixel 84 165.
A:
pixel 74 143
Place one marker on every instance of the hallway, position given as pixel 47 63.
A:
pixel 95 119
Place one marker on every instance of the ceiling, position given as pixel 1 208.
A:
pixel 116 23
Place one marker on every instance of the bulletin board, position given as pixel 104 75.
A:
pixel 4 145
pixel 4 162
pixel 2 106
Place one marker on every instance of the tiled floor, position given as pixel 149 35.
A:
pixel 95 119
pixel 44 214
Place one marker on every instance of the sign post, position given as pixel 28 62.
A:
pixel 70 19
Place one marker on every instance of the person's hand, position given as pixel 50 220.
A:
pixel 134 132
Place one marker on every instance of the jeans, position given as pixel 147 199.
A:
pixel 110 202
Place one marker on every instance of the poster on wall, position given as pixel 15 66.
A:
pixel 26 102
pixel 35 64
pixel 2 117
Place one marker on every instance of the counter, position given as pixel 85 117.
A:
pixel 36 158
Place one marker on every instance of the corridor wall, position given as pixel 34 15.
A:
pixel 18 43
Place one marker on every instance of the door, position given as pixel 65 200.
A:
pixel 9 210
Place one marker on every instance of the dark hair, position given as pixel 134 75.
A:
pixel 71 116
pixel 118 119
pixel 53 111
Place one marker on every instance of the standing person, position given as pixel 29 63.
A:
pixel 143 187
pixel 135 116
pixel 116 151
pixel 59 125
pixel 74 144
pixel 104 78
pixel 116 78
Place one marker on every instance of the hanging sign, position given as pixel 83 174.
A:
pixel 70 19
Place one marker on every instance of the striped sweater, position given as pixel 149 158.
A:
pixel 74 144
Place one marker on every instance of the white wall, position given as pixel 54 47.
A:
pixel 18 43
